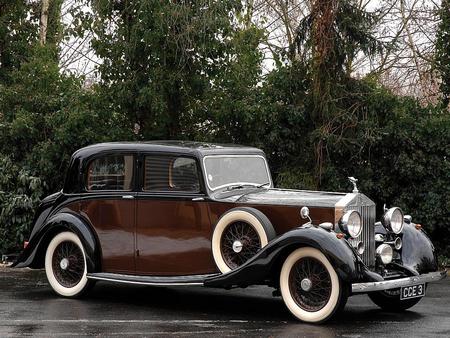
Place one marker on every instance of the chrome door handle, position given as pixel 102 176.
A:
pixel 128 197
pixel 198 199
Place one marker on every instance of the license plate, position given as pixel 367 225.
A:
pixel 412 291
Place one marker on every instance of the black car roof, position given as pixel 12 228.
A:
pixel 181 147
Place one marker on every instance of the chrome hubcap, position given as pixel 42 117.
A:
pixel 237 246
pixel 64 264
pixel 306 284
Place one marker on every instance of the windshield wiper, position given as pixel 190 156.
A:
pixel 251 191
pixel 234 187
pixel 263 185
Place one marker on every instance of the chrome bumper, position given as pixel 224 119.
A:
pixel 397 283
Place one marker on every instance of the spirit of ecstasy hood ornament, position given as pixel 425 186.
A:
pixel 353 181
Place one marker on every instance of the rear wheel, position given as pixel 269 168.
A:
pixel 310 287
pixel 389 300
pixel 65 265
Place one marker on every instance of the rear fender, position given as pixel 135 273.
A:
pixel 34 255
pixel 265 266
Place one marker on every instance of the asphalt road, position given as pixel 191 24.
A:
pixel 28 307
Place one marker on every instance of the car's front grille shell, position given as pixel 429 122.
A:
pixel 367 209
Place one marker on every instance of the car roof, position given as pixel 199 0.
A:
pixel 194 148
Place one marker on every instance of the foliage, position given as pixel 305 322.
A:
pixel 20 193
pixel 443 51
pixel 193 70
pixel 48 116
pixel 161 58
pixel 329 39
pixel 18 33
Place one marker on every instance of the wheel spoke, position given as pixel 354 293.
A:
pixel 317 296
pixel 70 275
pixel 244 233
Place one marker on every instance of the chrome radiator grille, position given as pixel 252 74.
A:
pixel 367 210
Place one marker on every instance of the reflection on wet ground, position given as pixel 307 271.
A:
pixel 29 307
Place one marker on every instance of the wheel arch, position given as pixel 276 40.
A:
pixel 265 267
pixel 67 222
pixel 257 219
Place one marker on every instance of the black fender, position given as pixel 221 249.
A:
pixel 417 251
pixel 34 254
pixel 265 266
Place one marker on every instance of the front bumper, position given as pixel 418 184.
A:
pixel 397 283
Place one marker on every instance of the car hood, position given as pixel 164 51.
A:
pixel 282 197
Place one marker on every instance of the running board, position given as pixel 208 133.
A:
pixel 150 280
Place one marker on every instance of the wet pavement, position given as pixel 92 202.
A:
pixel 29 307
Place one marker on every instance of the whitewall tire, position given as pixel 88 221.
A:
pixel 309 285
pixel 239 234
pixel 65 265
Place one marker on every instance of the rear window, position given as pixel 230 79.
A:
pixel 170 173
pixel 112 172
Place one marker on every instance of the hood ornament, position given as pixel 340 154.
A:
pixel 353 181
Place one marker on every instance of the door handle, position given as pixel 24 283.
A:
pixel 195 199
pixel 128 197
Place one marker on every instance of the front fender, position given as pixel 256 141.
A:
pixel 265 265
pixel 417 251
pixel 33 255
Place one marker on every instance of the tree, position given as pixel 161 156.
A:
pixel 329 38
pixel 159 58
pixel 443 51
pixel 18 33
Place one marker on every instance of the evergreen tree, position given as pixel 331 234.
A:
pixel 18 34
pixel 443 51
pixel 329 38
pixel 161 57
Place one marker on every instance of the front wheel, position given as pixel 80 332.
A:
pixel 310 287
pixel 389 300
pixel 65 265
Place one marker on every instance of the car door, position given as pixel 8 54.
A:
pixel 173 229
pixel 109 205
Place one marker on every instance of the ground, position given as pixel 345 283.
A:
pixel 29 307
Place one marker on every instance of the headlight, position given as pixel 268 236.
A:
pixel 351 223
pixel 385 252
pixel 393 220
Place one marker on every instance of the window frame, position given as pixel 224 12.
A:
pixel 85 173
pixel 177 193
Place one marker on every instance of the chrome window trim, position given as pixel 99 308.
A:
pixel 234 183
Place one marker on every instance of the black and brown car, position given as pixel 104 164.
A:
pixel 188 213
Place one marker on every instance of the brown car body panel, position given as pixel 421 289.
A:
pixel 173 237
pixel 170 236
pixel 113 220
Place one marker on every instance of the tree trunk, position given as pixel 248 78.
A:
pixel 44 22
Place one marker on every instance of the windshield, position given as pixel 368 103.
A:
pixel 228 170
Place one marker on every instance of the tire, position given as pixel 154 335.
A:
pixel 310 287
pixel 65 265
pixel 390 301
pixel 238 235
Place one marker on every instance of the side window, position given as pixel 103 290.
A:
pixel 113 172
pixel 170 173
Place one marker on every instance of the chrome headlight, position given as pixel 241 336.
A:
pixel 392 220
pixel 351 223
pixel 385 252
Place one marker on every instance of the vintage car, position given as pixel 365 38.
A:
pixel 188 213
